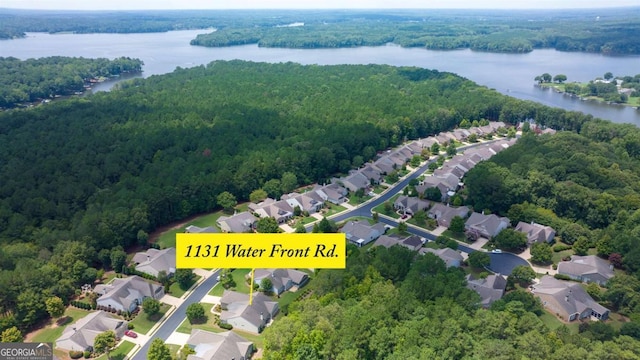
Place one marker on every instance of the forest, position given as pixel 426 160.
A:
pixel 606 31
pixel 44 78
pixel 394 304
pixel 84 178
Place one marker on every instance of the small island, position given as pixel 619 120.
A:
pixel 623 90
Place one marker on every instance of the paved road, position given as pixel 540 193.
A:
pixel 501 263
pixel 178 316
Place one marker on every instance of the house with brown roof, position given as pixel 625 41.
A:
pixel 568 300
pixel 487 226
pixel 587 269
pixel 213 346
pixel 81 335
pixel 536 233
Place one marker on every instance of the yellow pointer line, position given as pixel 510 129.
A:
pixel 251 287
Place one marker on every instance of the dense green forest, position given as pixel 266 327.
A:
pixel 83 178
pixel 394 304
pixel 607 31
pixel 33 79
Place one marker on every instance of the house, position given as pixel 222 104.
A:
pixel 281 279
pixel 212 346
pixel 461 134
pixel 434 182
pixel 536 233
pixel 127 293
pixel 355 182
pixel 385 165
pixel 486 226
pixel 490 289
pixel 192 229
pixel 153 261
pixel 80 335
pixel 568 300
pixel 387 241
pixel 449 256
pixel 427 143
pixel 412 242
pixel 361 233
pixel 279 210
pixel 237 312
pixel 239 223
pixel 587 269
pixel 332 193
pixel 444 213
pixel 372 174
pixel 410 205
pixel 310 202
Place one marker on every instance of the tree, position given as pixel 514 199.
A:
pixel 266 286
pixel 11 335
pixel 158 350
pixel 55 306
pixel 267 225
pixel 581 246
pixel 472 138
pixel 163 278
pixel 151 306
pixel 402 227
pixel 523 274
pixel 118 258
pixel 526 127
pixel 457 225
pixel 375 216
pixel 546 77
pixel 435 148
pixel 325 226
pixel 433 166
pixel 541 253
pixel 510 239
pixel 420 217
pixel 560 78
pixel 142 237
pixel 104 342
pixel 479 259
pixel 451 149
pixel 195 313
pixel 185 278
pixel 432 193
pixel 273 188
pixel 608 76
pixel 288 182
pixel 300 229
pixel 227 200
pixel 616 260
pixel 257 195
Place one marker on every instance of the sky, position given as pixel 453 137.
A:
pixel 308 4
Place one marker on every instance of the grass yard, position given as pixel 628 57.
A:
pixel 238 278
pixel 257 340
pixel 173 350
pixel 557 256
pixel 456 236
pixel 175 289
pixel 168 238
pixel 307 220
pixel 553 322
pixel 119 353
pixel 51 334
pixel 208 325
pixel 380 208
pixel 143 322
pixel 334 209
pixel 433 245
pixel 378 189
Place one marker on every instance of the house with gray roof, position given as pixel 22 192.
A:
pixel 237 312
pixel 281 279
pixel 239 223
pixel 567 300
pixel 355 182
pixel 81 335
pixel 434 182
pixel 486 226
pixel 310 201
pixel 385 165
pixel 490 289
pixel 444 213
pixel 333 193
pixel 427 143
pixel 279 210
pixel 372 174
pixel 153 261
pixel 536 233
pixel 192 229
pixel 125 294
pixel 387 241
pixel 587 269
pixel 361 233
pixel 449 256
pixel 212 346
pixel 410 205
pixel 411 242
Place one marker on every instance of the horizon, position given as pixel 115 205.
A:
pixel 148 5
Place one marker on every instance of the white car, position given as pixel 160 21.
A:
pixel 496 251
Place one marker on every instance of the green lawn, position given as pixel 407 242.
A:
pixel 433 245
pixel 143 323
pixel 216 290
pixel 380 208
pixel 355 201
pixel 378 189
pixel 168 238
pixel 553 322
pixel 208 325
pixel 557 256
pixel 173 349
pixel 308 219
pixel 51 334
pixel 175 289
pixel 457 236
pixel 120 352
pixel 257 340
pixel 238 277
pixel 334 209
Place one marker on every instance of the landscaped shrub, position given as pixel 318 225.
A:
pixel 225 326
pixel 561 247
pixel 130 326
pixel 562 277
pixel 75 354
pixel 87 354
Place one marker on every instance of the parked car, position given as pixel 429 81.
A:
pixel 496 251
pixel 131 334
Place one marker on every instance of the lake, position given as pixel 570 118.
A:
pixel 511 74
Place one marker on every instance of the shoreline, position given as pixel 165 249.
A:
pixel 555 88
